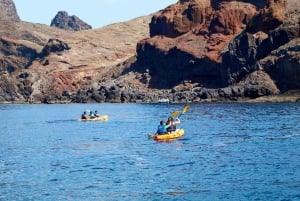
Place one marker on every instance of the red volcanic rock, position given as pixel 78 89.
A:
pixel 198 28
pixel 181 18
pixel 218 43
pixel 268 18
pixel 202 17
pixel 231 17
pixel 198 31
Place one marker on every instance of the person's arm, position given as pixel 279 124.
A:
pixel 169 124
pixel 177 121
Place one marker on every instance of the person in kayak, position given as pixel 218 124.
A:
pixel 84 115
pixel 162 128
pixel 92 116
pixel 96 114
pixel 171 123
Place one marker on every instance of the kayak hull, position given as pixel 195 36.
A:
pixel 100 118
pixel 173 135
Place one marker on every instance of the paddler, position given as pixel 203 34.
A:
pixel 162 128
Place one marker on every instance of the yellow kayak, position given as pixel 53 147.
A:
pixel 173 135
pixel 100 118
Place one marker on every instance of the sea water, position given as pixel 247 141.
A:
pixel 230 151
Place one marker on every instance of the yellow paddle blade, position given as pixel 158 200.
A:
pixel 185 109
pixel 175 114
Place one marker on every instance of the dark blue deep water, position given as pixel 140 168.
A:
pixel 232 151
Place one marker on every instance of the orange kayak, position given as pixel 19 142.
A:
pixel 173 135
pixel 100 118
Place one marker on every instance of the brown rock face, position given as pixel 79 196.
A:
pixel 200 32
pixel 15 55
pixel 8 10
pixel 53 46
pixel 43 64
pixel 181 18
pixel 219 44
pixel 268 18
pixel 63 21
pixel 202 17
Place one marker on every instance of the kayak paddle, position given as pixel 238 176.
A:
pixel 175 113
pixel 184 110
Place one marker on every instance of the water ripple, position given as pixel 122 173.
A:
pixel 233 152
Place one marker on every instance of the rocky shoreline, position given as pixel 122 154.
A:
pixel 155 97
pixel 286 97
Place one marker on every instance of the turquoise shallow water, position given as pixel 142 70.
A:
pixel 232 151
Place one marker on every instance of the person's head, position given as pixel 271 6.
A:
pixel 84 112
pixel 96 111
pixel 91 112
pixel 170 119
pixel 162 122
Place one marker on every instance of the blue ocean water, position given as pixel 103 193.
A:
pixel 230 151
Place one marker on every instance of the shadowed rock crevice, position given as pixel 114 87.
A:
pixel 53 46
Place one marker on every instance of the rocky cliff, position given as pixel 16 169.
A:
pixel 8 11
pixel 62 20
pixel 42 64
pixel 194 50
pixel 223 49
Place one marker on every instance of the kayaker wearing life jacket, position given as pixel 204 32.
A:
pixel 84 115
pixel 96 114
pixel 162 128
pixel 92 116
pixel 171 123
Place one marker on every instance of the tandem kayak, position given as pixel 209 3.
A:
pixel 100 118
pixel 168 136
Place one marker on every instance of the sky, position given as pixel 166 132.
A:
pixel 96 13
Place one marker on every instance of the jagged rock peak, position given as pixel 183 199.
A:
pixel 8 10
pixel 63 21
